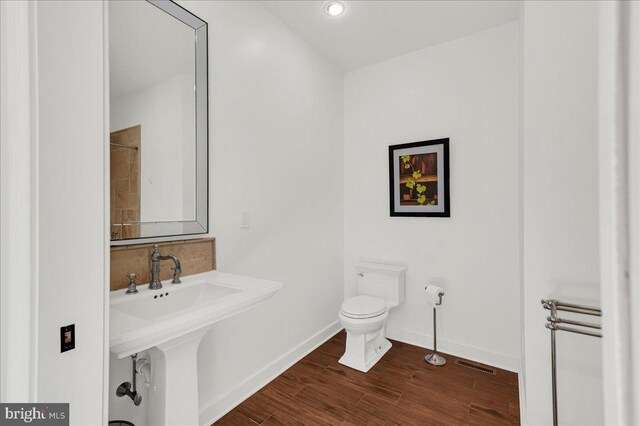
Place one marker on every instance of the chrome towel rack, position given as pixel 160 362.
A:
pixel 555 323
pixel 121 145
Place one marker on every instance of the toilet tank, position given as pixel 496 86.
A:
pixel 381 280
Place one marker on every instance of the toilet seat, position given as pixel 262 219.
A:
pixel 362 307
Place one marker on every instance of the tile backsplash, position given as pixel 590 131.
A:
pixel 195 256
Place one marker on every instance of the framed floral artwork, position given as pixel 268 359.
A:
pixel 419 179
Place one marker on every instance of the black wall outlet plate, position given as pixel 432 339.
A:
pixel 67 337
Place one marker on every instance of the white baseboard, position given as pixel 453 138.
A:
pixel 483 356
pixel 226 402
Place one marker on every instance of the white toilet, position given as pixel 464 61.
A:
pixel 380 287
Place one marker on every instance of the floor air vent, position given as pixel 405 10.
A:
pixel 475 366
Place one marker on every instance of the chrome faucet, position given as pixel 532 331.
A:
pixel 156 257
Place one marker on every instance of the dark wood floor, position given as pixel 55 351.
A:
pixel 401 389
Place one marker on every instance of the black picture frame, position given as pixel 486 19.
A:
pixel 419 209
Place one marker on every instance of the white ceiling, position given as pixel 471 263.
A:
pixel 371 31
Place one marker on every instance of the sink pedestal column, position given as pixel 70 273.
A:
pixel 173 398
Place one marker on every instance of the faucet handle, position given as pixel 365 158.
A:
pixel 132 283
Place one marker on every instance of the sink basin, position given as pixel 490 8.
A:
pixel 150 317
pixel 170 323
pixel 173 301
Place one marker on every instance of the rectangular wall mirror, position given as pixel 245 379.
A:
pixel 158 122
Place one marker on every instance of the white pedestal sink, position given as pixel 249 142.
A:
pixel 170 323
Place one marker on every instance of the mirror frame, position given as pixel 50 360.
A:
pixel 167 231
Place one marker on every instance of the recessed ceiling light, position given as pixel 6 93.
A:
pixel 334 8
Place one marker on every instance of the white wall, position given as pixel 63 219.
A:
pixel 467 90
pixel 560 203
pixel 166 113
pixel 276 151
pixel 71 228
pixel 619 180
pixel 17 161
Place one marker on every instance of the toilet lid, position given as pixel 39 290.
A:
pixel 364 307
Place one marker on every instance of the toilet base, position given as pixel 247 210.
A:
pixel 362 353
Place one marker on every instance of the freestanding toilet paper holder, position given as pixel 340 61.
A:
pixel 435 358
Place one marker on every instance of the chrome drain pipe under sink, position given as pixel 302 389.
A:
pixel 126 388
